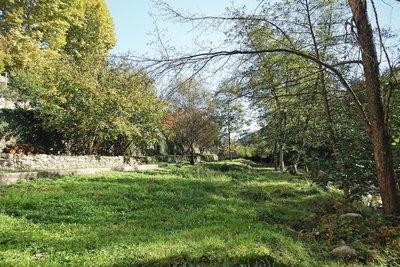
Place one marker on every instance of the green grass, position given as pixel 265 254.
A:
pixel 207 215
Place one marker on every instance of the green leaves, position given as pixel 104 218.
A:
pixel 93 33
pixel 395 141
pixel 191 125
pixel 93 104
pixel 38 32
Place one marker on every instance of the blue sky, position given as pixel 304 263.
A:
pixel 134 24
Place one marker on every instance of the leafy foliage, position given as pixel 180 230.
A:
pixel 190 124
pixel 37 32
pixel 93 105
pixel 23 125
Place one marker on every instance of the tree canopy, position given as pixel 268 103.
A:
pixel 308 67
pixel 190 122
pixel 42 31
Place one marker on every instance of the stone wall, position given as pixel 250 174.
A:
pixel 177 158
pixel 12 104
pixel 45 162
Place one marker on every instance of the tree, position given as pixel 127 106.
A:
pixel 194 128
pixel 192 122
pixel 93 105
pixel 56 53
pixel 295 39
pixel 38 32
pixel 377 126
pixel 3 55
pixel 282 75
pixel 230 115
pixel 93 33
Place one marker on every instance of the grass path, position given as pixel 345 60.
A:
pixel 179 216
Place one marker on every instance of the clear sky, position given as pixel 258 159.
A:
pixel 134 25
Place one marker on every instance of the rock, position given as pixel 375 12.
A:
pixel 351 216
pixel 344 252
pixel 10 164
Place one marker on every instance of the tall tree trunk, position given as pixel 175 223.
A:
pixel 325 100
pixel 332 135
pixel 281 138
pixel 229 145
pixel 293 169
pixel 229 132
pixel 379 131
pixel 192 160
pixel 281 156
pixel 275 153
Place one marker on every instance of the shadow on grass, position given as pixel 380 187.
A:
pixel 245 224
pixel 209 260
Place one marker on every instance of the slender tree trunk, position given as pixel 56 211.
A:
pixel 332 136
pixel 281 157
pixel 325 100
pixel 281 138
pixel 379 131
pixel 294 170
pixel 275 153
pixel 192 160
pixel 280 143
pixel 229 132
pixel 229 146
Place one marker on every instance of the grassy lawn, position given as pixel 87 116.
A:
pixel 212 214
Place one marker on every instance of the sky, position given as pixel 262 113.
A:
pixel 135 26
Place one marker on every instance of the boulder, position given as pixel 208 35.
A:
pixel 344 252
pixel 351 215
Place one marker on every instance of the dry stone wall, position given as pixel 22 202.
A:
pixel 45 162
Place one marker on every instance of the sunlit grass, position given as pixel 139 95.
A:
pixel 178 216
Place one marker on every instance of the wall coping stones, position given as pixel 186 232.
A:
pixel 14 177
pixel 46 166
pixel 46 162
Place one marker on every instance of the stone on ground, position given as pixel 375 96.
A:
pixel 344 252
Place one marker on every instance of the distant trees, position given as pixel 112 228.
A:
pixel 191 124
pixel 230 114
pixel 193 128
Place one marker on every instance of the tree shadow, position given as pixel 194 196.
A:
pixel 156 208
pixel 209 260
